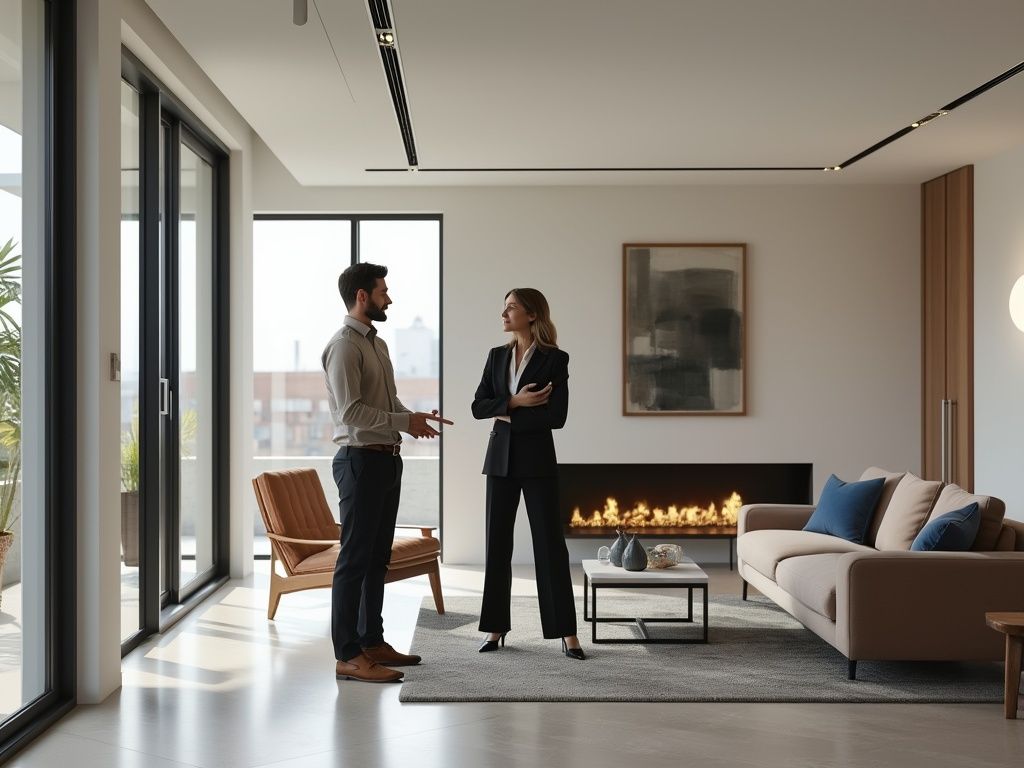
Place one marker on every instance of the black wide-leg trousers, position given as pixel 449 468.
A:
pixel 551 557
pixel 369 485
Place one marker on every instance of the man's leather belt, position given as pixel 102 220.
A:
pixel 394 450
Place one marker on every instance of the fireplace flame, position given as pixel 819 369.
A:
pixel 642 516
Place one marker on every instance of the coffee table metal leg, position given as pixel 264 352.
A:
pixel 689 603
pixel 705 588
pixel 586 584
pixel 593 607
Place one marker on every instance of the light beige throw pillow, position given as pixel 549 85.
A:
pixel 907 512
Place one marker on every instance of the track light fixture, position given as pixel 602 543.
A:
pixel 386 38
pixel 300 12
pixel 928 118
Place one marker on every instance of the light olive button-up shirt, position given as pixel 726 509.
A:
pixel 361 388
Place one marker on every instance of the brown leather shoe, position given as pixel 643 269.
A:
pixel 385 654
pixel 366 670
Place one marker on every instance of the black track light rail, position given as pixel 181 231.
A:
pixel 402 112
pixel 380 14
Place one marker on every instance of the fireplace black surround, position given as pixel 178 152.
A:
pixel 673 500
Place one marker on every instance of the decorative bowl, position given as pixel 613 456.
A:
pixel 664 555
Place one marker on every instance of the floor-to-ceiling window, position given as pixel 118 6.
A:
pixel 296 309
pixel 36 278
pixel 174 371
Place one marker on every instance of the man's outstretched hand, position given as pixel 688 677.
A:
pixel 418 426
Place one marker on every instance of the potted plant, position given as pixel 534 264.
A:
pixel 10 399
pixel 130 494
pixel 130 457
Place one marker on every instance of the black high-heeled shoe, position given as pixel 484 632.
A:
pixel 492 645
pixel 573 653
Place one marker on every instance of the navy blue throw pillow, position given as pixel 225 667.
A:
pixel 845 509
pixel 952 532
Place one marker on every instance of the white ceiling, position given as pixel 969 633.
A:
pixel 556 83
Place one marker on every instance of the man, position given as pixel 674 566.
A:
pixel 368 417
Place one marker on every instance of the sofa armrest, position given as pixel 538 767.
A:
pixel 756 517
pixel 925 605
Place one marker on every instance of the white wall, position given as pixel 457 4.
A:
pixel 833 287
pixel 998 345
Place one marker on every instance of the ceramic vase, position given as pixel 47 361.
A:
pixel 635 556
pixel 615 554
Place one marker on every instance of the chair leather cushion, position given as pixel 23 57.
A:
pixel 297 507
pixel 404 549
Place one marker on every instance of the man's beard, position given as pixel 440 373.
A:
pixel 376 313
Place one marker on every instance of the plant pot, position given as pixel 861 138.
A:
pixel 6 541
pixel 130 528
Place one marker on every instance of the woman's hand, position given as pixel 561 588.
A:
pixel 528 397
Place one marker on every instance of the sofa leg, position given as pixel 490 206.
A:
pixel 852 670
pixel 744 590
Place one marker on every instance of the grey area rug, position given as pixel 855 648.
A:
pixel 756 653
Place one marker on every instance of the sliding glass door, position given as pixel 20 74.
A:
pixel 173 379
pixel 195 375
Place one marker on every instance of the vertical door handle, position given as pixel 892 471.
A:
pixel 165 399
pixel 950 440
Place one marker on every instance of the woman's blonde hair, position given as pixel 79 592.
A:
pixel 534 303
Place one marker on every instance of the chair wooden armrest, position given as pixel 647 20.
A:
pixel 425 530
pixel 290 540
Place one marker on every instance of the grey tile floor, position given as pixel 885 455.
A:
pixel 227 688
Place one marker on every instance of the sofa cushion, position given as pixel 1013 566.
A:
pixel 763 550
pixel 952 532
pixel 845 509
pixel 907 513
pixel 1007 539
pixel 892 479
pixel 811 579
pixel 992 511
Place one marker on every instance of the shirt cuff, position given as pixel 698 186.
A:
pixel 400 421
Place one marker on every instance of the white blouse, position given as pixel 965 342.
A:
pixel 515 374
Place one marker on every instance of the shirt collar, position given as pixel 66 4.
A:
pixel 357 325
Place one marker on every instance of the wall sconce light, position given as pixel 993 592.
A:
pixel 1017 303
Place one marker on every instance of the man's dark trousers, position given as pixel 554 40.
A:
pixel 369 484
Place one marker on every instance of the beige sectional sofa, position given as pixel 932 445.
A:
pixel 880 600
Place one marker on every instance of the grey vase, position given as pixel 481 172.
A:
pixel 635 556
pixel 615 554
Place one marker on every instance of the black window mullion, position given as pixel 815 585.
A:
pixel 172 467
pixel 149 338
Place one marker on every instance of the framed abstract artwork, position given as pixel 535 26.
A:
pixel 684 329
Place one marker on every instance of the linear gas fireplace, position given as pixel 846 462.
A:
pixel 673 500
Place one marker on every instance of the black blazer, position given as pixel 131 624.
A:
pixel 523 447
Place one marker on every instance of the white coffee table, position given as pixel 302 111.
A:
pixel 687 575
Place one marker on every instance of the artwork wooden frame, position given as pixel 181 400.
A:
pixel 684 329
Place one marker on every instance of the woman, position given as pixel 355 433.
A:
pixel 525 390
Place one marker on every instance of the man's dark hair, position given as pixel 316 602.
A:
pixel 363 275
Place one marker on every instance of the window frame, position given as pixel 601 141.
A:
pixel 355 219
pixel 60 366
